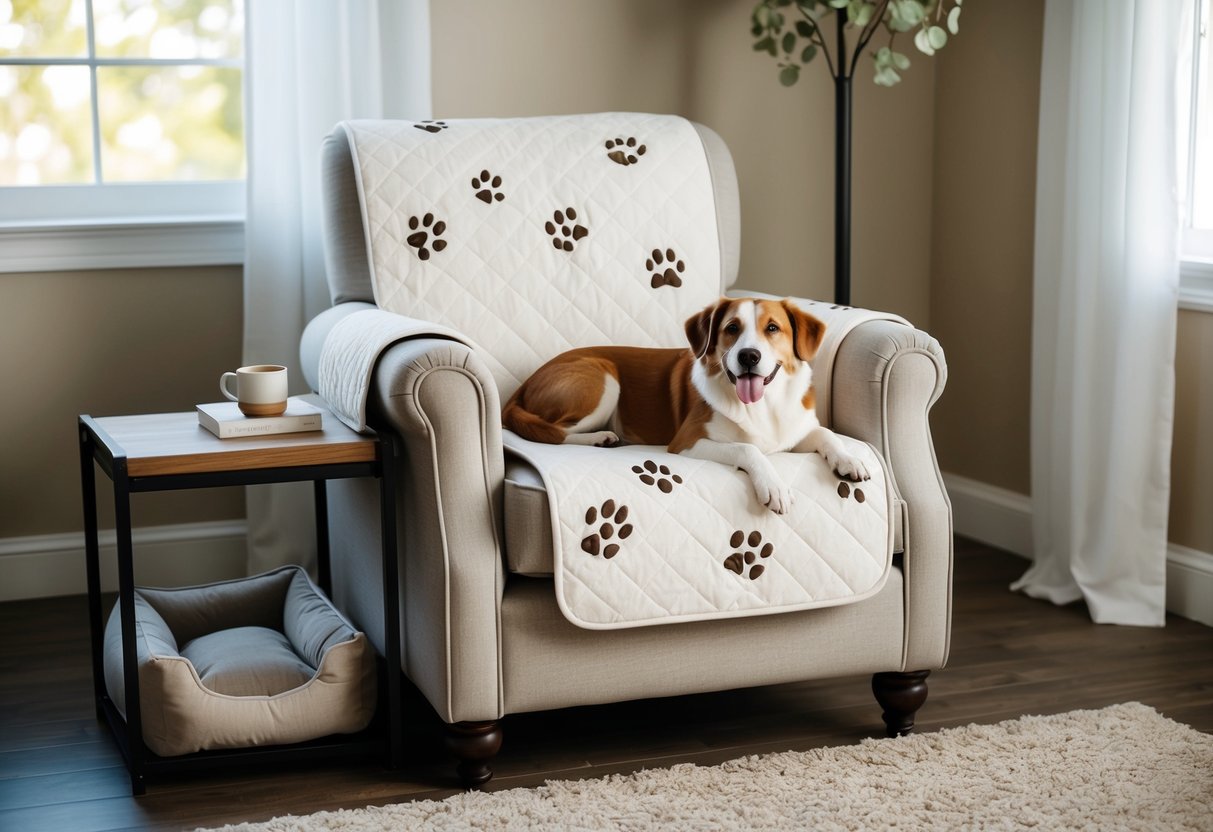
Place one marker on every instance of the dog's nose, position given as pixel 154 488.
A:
pixel 748 358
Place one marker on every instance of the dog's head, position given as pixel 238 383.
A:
pixel 751 342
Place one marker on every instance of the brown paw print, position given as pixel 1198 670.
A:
pixel 612 517
pixel 422 229
pixel 485 186
pixel 624 151
pixel 659 475
pixel 739 560
pixel 431 126
pixel 674 267
pixel 846 490
pixel 564 230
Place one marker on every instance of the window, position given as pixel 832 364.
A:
pixel 123 117
pixel 1196 160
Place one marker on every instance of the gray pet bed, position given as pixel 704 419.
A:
pixel 264 660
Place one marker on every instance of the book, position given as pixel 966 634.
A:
pixel 225 420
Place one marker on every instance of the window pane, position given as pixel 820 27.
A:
pixel 45 125
pixel 164 29
pixel 183 123
pixel 43 28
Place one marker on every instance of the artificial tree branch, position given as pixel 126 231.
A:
pixel 819 40
pixel 868 31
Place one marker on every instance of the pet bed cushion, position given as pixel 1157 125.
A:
pixel 264 660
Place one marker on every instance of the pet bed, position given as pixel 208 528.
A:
pixel 265 660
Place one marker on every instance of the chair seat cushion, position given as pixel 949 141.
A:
pixel 266 660
pixel 528 529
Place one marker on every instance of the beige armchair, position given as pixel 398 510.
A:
pixel 482 635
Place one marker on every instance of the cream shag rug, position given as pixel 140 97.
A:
pixel 1122 767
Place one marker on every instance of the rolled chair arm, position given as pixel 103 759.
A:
pixel 440 398
pixel 886 377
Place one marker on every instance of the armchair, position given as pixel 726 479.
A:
pixel 482 634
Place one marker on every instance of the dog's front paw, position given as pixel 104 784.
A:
pixel 773 493
pixel 851 468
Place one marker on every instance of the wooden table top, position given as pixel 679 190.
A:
pixel 160 444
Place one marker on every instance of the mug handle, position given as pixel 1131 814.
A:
pixel 223 386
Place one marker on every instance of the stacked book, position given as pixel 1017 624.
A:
pixel 225 420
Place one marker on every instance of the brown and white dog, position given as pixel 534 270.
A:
pixel 743 390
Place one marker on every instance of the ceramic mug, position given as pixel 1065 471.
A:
pixel 260 389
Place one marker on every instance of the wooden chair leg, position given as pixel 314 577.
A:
pixel 474 745
pixel 901 695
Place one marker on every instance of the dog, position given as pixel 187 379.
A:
pixel 743 389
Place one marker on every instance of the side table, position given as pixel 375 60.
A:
pixel 160 452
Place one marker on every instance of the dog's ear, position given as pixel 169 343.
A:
pixel 807 331
pixel 702 328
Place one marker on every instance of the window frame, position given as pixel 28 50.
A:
pixel 1196 244
pixel 101 224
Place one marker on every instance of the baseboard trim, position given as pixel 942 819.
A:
pixel 41 566
pixel 992 515
pixel 1190 583
pixel 1002 518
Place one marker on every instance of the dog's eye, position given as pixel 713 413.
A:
pixel 733 328
pixel 772 327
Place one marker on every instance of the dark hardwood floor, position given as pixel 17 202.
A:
pixel 59 769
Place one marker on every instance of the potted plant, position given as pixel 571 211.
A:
pixel 794 33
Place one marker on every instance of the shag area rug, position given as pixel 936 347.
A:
pixel 1125 767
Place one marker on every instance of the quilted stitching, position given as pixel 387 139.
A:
pixel 499 279
pixel 828 550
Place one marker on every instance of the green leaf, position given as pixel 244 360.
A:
pixel 789 75
pixel 762 15
pixel 789 43
pixel 839 4
pixel 922 41
pixel 809 53
pixel 804 28
pixel 756 30
pixel 912 11
pixel 954 20
pixel 900 61
pixel 861 13
pixel 887 78
pixel 937 37
pixel 767 44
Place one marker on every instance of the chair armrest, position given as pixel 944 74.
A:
pixel 886 378
pixel 439 396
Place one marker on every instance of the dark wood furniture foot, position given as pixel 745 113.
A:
pixel 474 744
pixel 901 695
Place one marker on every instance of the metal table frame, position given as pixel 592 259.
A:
pixel 97 446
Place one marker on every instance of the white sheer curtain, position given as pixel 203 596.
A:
pixel 309 64
pixel 1106 278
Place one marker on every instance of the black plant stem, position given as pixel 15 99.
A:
pixel 842 171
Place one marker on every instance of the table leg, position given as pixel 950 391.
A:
pixel 136 751
pixel 391 595
pixel 92 562
pixel 324 570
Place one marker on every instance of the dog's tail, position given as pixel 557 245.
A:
pixel 529 426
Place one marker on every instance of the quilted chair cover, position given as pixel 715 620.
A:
pixel 527 237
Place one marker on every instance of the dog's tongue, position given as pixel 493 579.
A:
pixel 750 388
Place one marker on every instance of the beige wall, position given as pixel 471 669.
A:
pixel 1192 451
pixel 987 93
pixel 105 343
pixel 693 57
